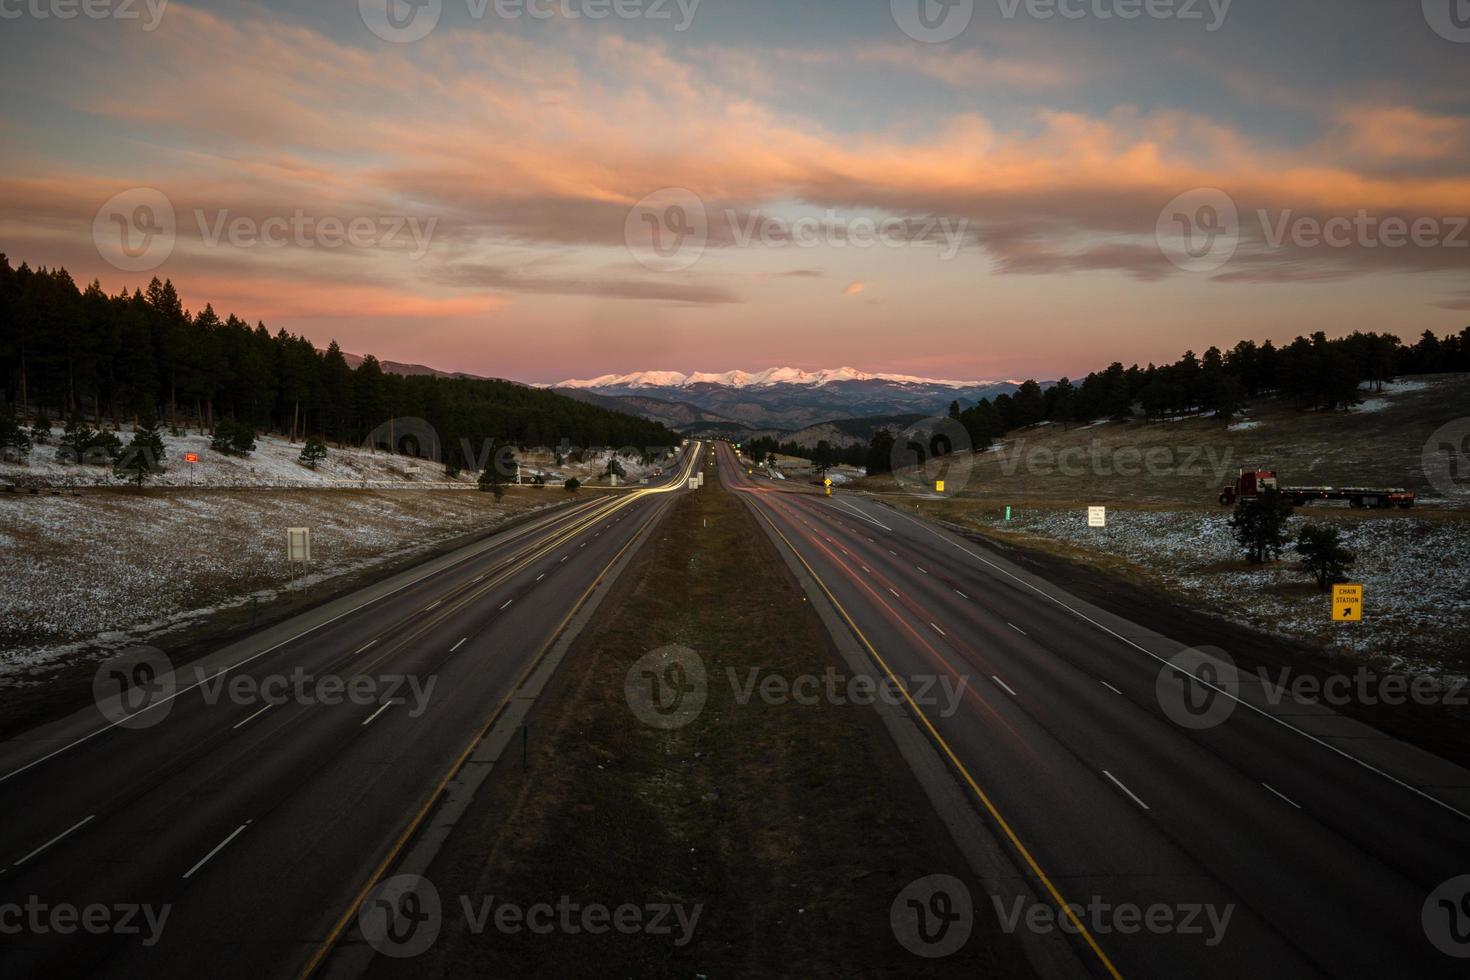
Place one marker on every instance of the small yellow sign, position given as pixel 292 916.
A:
pixel 826 483
pixel 938 486
pixel 1347 603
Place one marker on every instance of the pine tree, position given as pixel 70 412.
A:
pixel 490 478
pixel 312 453
pixel 233 438
pixel 1260 525
pixel 76 437
pixel 1323 555
pixel 15 441
pixel 145 453
pixel 880 453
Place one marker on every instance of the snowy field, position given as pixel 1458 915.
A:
pixel 275 463
pixel 1416 574
pixel 99 569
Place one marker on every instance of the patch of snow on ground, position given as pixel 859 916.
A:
pixel 1414 572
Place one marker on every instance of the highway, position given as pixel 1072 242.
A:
pixel 255 823
pixel 1322 841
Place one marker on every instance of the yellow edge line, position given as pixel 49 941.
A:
pixel 955 761
pixel 320 956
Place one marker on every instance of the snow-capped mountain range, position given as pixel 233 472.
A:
pixel 781 399
pixel 759 379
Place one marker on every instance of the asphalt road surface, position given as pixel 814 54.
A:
pixel 248 811
pixel 1322 838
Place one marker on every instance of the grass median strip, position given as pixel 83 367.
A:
pixel 787 822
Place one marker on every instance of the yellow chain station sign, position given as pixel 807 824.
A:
pixel 1347 603
pixel 938 486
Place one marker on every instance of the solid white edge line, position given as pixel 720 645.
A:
pixel 366 645
pixel 1004 685
pixel 64 834
pixel 217 848
pixel 1119 783
pixel 1241 701
pixel 863 516
pixel 1282 795
pixel 385 707
pixel 242 723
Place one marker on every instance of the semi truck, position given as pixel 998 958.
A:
pixel 1250 484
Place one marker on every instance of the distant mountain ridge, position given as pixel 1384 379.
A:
pixel 778 399
pixel 758 379
pixel 408 370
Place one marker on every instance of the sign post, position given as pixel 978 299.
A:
pixel 1347 603
pixel 298 548
pixel 191 459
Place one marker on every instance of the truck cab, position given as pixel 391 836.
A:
pixel 1248 483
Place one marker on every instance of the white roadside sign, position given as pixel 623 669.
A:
pixel 1097 517
pixel 298 544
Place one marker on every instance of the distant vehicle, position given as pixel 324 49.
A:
pixel 1250 484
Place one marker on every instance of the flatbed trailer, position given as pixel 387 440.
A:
pixel 1251 483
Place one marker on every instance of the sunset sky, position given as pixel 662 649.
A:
pixel 1030 157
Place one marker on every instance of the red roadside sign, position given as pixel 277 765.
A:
pixel 191 457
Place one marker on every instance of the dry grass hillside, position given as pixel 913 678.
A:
pixel 1185 462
